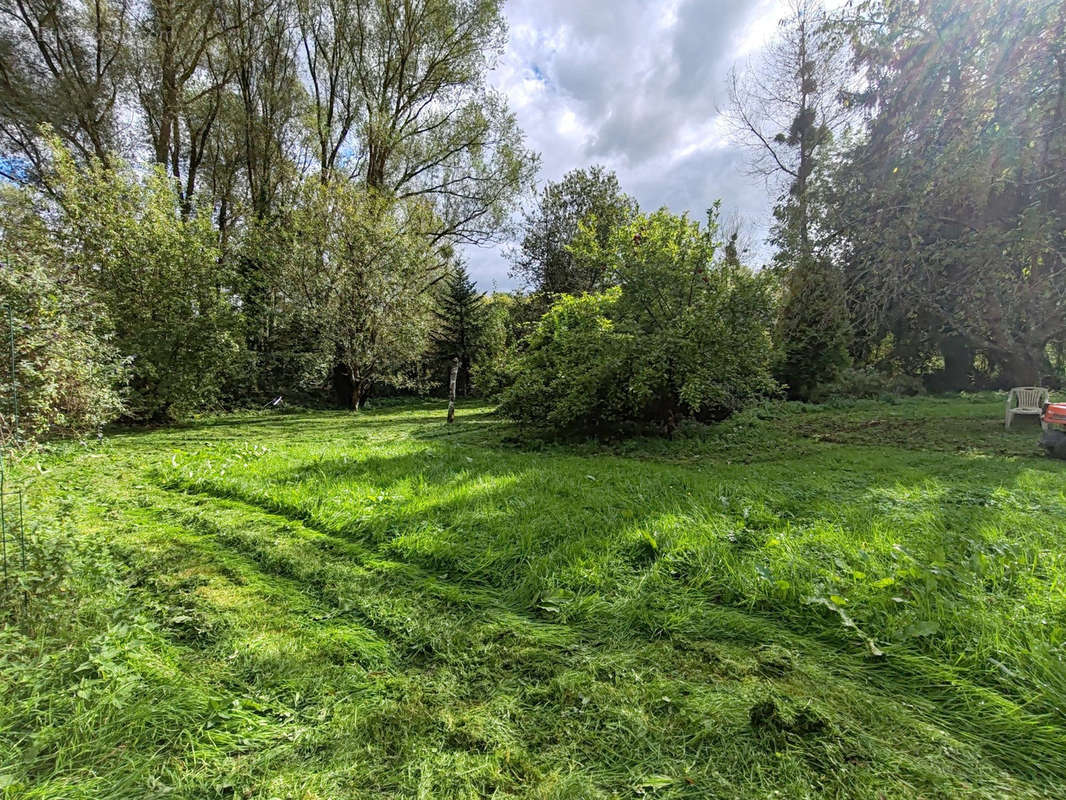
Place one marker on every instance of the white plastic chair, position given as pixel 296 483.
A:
pixel 1026 400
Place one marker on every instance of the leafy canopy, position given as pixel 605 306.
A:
pixel 682 333
pixel 544 259
pixel 354 264
pixel 951 206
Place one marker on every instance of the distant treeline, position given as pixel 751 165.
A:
pixel 209 203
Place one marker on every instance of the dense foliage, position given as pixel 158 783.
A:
pixel 544 260
pixel 354 266
pixel 236 98
pixel 171 152
pixel 683 332
pixel 507 322
pixel 67 370
pixel 950 201
pixel 812 331
pixel 919 148
pixel 118 239
pixel 261 199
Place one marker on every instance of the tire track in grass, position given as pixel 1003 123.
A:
pixel 347 577
pixel 722 622
pixel 269 612
pixel 945 698
pixel 226 518
pixel 503 617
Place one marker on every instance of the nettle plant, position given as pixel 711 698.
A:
pixel 682 333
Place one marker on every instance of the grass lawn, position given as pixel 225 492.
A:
pixel 863 601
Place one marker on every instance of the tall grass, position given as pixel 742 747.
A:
pixel 861 601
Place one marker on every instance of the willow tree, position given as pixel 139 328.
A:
pixel 431 127
pixel 62 64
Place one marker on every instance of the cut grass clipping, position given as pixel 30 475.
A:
pixel 862 601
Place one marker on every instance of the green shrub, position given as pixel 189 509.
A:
pixel 682 334
pixel 866 383
pixel 151 268
pixel 158 271
pixel 67 372
pixel 573 373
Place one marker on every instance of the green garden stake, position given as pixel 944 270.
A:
pixel 22 534
pixel 3 521
pixel 14 381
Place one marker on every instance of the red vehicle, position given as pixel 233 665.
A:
pixel 1054 415
pixel 1053 418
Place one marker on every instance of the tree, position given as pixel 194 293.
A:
pixel 951 206
pixel 261 51
pixel 120 238
pixel 329 39
pixel 499 338
pixel 431 126
pixel 174 49
pixel 461 320
pixel 392 93
pixel 787 110
pixel 812 331
pixel 544 260
pixel 62 64
pixel 353 264
pixel 681 333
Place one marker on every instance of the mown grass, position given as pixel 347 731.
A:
pixel 861 601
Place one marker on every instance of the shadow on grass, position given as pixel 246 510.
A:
pixel 555 541
pixel 933 477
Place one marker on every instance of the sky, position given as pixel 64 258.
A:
pixel 638 86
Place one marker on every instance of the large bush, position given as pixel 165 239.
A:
pixel 684 333
pixel 153 266
pixel 158 270
pixel 67 372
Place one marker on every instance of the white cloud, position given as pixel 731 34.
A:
pixel 635 85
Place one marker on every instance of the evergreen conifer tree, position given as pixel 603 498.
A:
pixel 460 322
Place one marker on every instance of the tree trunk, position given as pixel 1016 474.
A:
pixel 958 362
pixel 344 388
pixel 451 390
pixel 1022 370
pixel 360 390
